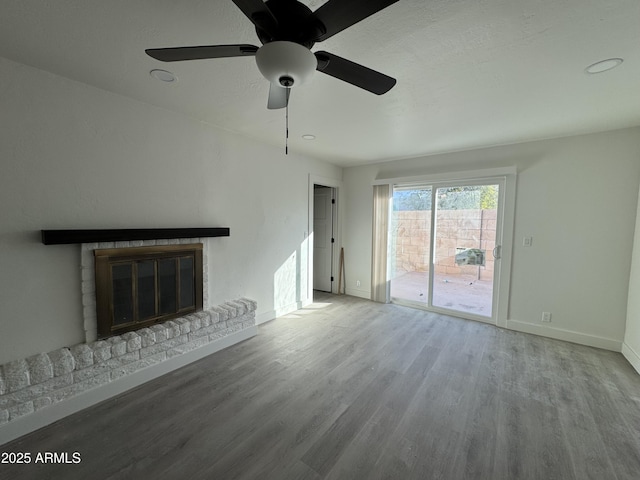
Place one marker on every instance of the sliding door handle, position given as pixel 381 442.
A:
pixel 497 251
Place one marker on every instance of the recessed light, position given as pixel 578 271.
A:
pixel 603 65
pixel 308 136
pixel 163 76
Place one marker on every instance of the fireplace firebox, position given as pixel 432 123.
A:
pixel 140 286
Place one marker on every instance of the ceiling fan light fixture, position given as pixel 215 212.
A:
pixel 286 63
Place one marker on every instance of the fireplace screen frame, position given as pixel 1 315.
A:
pixel 106 259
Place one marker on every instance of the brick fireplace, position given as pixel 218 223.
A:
pixel 83 374
pixel 88 272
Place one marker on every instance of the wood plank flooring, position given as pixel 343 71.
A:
pixel 350 389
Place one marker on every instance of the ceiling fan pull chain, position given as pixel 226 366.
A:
pixel 286 141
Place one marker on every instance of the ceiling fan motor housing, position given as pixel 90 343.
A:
pixel 292 21
pixel 286 63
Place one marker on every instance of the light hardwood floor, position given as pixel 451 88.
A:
pixel 350 389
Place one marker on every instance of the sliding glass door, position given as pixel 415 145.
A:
pixel 445 245
pixel 410 227
pixel 465 239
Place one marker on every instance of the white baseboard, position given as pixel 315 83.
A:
pixel 359 292
pixel 566 335
pixel 41 418
pixel 632 356
pixel 287 309
pixel 265 317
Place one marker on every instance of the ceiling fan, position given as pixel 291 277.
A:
pixel 288 29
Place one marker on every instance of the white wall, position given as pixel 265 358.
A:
pixel 73 156
pixel 577 197
pixel 631 345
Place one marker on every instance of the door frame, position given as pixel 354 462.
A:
pixel 329 197
pixel 336 185
pixel 503 271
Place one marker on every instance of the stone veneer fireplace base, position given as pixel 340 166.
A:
pixel 43 388
pixel 40 381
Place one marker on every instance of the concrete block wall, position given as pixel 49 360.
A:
pixel 456 229
pixel 34 383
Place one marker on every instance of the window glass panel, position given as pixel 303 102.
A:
pixel 146 290
pixel 410 244
pixel 466 222
pixel 187 292
pixel 122 281
pixel 167 285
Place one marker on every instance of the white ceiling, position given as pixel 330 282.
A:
pixel 471 73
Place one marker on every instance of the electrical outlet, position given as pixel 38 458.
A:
pixel 527 241
pixel 357 283
pixel 546 317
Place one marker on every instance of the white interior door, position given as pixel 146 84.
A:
pixel 322 237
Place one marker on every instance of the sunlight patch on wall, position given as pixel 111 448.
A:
pixel 285 283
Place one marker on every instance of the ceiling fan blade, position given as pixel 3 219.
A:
pixel 278 96
pixel 353 73
pixel 177 54
pixel 259 14
pixel 336 15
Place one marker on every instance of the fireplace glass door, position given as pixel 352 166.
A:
pixel 136 287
